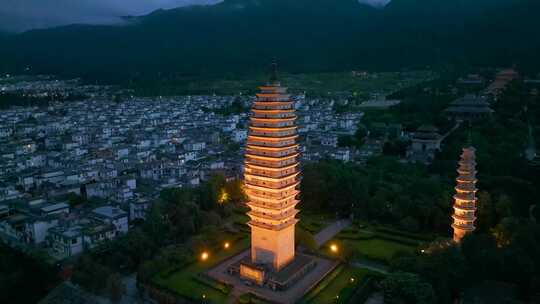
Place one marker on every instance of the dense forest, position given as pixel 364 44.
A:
pixel 241 36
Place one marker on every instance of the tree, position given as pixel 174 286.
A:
pixel 209 191
pixel 155 225
pixel 115 287
pixel 505 231
pixel 504 206
pixel 407 288
pixel 444 267
pixel 483 258
pixel 235 191
pixel 409 223
pixel 486 212
pixel 75 200
pixel 90 274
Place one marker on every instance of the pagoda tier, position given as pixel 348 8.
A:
pixel 271 176
pixel 465 197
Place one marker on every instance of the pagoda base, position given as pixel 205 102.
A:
pixel 275 280
pixel 287 285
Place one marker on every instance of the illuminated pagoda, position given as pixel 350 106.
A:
pixel 465 197
pixel 271 182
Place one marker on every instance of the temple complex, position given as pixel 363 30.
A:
pixel 465 197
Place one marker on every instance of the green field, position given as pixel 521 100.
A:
pixel 378 249
pixel 377 242
pixel 313 84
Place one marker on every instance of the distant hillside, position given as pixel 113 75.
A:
pixel 240 37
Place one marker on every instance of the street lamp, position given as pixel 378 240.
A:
pixel 334 248
pixel 226 245
pixel 204 256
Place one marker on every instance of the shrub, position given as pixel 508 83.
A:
pixel 219 286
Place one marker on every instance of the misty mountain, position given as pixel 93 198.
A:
pixel 241 36
pixel 22 15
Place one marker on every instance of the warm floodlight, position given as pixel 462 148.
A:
pixel 204 256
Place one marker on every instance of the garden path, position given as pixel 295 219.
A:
pixel 330 231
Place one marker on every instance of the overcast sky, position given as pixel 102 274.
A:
pixel 21 15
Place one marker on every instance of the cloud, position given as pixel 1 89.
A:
pixel 376 3
pixel 21 15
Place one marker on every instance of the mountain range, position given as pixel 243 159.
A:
pixel 241 36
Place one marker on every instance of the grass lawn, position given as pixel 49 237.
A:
pixel 340 289
pixel 377 248
pixel 184 283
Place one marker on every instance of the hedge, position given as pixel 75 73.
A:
pixel 221 287
pixel 399 240
pixel 409 235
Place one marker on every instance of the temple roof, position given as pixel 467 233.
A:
pixel 427 132
pixel 470 104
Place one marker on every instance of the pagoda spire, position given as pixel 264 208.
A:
pixel 465 197
pixel 274 72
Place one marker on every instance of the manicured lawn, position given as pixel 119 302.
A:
pixel 184 283
pixel 378 248
pixel 340 289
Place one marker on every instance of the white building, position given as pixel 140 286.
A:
pixel 66 242
pixel 138 209
pixel 113 215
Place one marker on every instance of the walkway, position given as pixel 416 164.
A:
pixel 330 231
pixel 458 123
pixel 371 265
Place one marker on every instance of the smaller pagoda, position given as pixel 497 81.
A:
pixel 465 197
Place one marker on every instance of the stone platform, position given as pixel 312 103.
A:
pixel 286 286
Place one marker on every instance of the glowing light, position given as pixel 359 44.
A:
pixel 204 296
pixel 204 256
pixel 352 280
pixel 334 248
pixel 422 250
pixel 223 196
pixel 226 245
